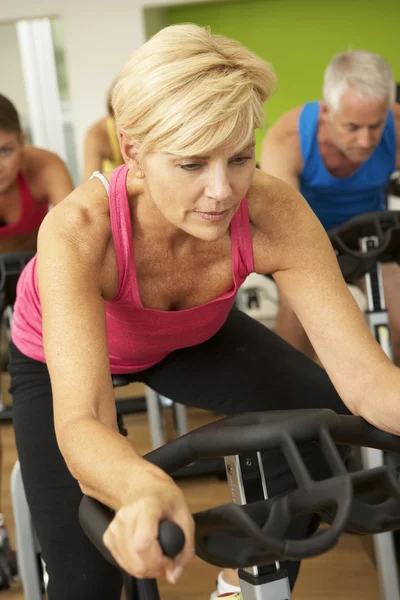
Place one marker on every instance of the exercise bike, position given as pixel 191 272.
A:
pixel 361 245
pixel 251 532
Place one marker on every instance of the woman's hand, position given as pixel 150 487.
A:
pixel 132 535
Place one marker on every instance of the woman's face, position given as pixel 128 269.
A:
pixel 11 150
pixel 200 194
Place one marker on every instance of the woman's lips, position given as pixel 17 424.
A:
pixel 212 216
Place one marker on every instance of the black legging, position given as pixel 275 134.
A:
pixel 244 367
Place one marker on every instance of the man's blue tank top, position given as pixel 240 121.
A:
pixel 335 200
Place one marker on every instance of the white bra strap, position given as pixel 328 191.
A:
pixel 102 179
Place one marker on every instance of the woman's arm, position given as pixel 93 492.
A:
pixel 76 272
pixel 306 270
pixel 56 180
pixel 48 176
pixel 70 272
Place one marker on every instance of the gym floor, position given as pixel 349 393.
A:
pixel 345 573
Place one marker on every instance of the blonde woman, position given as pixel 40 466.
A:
pixel 137 273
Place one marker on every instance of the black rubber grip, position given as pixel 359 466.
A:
pixel 171 538
pixel 94 518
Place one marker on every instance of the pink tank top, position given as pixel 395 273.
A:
pixel 32 213
pixel 138 337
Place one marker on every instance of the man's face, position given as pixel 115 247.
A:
pixel 358 125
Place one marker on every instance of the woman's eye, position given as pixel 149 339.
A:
pixel 191 166
pixel 5 151
pixel 241 160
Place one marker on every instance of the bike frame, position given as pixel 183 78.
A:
pixel 378 321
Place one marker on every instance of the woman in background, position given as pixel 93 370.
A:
pixel 102 152
pixel 31 179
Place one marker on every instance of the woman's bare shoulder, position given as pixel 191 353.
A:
pixel 280 217
pixel 37 160
pixel 76 237
pixel 98 129
pixel 83 216
pixel 272 202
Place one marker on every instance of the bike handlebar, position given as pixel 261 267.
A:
pixel 94 518
pixel 383 225
pixel 254 534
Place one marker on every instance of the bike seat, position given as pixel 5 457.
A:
pixel 120 380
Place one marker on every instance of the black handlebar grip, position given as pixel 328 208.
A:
pixel 171 538
pixel 94 518
pixel 355 431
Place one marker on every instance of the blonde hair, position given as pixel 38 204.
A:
pixel 187 92
pixel 367 73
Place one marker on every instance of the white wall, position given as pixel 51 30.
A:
pixel 11 80
pixel 99 37
pixel 98 41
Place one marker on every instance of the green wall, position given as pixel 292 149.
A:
pixel 155 18
pixel 300 36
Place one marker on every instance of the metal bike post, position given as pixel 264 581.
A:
pixel 378 322
pixel 155 417
pixel 180 418
pixel 246 480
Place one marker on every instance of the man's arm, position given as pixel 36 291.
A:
pixel 396 114
pixel 281 154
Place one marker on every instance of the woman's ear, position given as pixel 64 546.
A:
pixel 130 152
